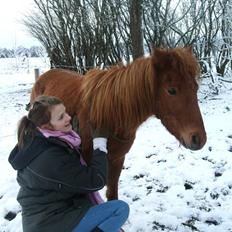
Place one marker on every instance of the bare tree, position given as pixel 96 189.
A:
pixel 81 34
pixel 223 53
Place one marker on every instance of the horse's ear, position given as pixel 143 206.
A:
pixel 161 60
pixel 158 54
pixel 189 49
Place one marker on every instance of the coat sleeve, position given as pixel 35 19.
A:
pixel 63 172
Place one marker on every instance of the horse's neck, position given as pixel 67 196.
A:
pixel 140 85
pixel 120 98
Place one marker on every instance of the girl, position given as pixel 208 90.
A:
pixel 56 188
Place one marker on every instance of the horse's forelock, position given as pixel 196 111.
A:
pixel 181 59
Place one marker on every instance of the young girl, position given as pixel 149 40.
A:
pixel 56 188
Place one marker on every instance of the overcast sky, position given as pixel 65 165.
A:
pixel 12 32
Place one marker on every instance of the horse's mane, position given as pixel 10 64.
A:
pixel 128 92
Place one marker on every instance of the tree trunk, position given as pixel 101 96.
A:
pixel 136 28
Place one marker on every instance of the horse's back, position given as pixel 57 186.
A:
pixel 56 77
pixel 61 83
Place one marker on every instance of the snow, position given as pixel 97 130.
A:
pixel 167 187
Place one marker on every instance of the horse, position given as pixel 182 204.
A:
pixel 119 99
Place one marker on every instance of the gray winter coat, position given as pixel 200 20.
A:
pixel 54 186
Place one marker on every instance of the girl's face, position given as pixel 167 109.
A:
pixel 60 120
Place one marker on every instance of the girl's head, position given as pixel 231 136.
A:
pixel 46 112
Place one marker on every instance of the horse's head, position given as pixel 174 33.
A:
pixel 176 71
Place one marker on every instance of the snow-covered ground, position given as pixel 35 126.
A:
pixel 167 187
pixel 22 65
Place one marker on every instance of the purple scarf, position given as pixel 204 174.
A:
pixel 74 141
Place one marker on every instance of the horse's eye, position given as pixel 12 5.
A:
pixel 172 91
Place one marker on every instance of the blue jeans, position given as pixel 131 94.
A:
pixel 108 216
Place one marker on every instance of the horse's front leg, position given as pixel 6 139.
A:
pixel 116 156
pixel 114 171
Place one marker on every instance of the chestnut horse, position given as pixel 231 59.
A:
pixel 119 99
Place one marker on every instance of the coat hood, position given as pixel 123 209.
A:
pixel 20 158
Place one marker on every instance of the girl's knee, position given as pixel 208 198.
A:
pixel 124 207
pixel 123 204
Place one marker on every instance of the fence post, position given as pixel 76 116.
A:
pixel 36 71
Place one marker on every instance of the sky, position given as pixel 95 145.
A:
pixel 12 32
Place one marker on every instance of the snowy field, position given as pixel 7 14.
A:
pixel 167 187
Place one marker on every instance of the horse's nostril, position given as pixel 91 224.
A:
pixel 195 143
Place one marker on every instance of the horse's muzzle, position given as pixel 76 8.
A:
pixel 195 142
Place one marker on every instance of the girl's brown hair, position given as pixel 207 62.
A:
pixel 38 115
